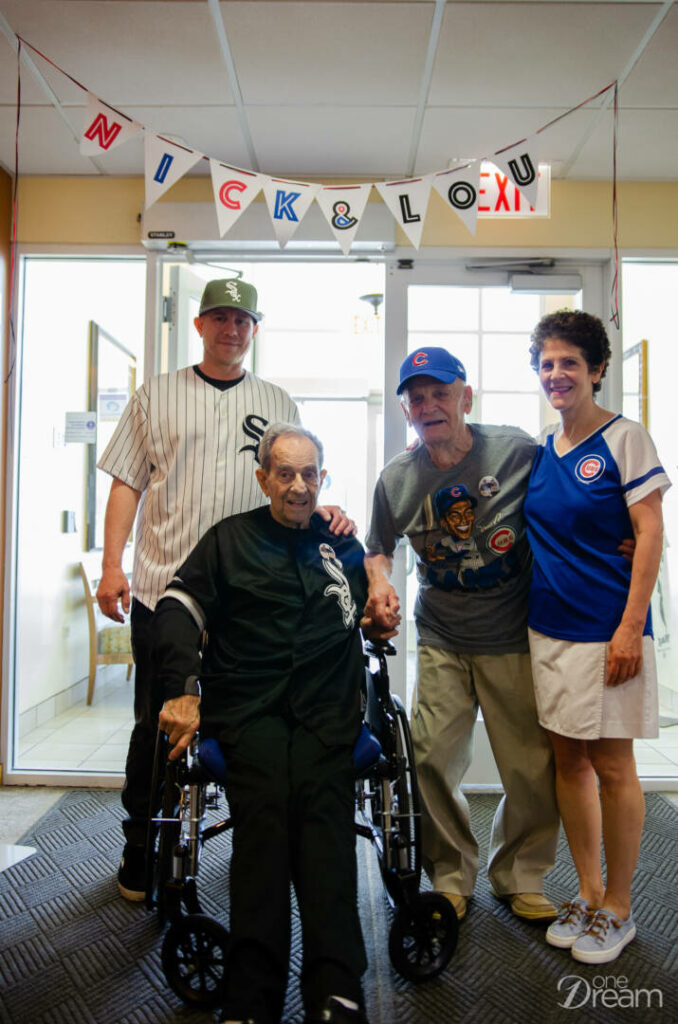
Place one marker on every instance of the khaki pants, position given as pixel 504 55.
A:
pixel 450 689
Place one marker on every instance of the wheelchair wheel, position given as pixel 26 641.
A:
pixel 396 812
pixel 423 939
pixel 193 958
pixel 407 793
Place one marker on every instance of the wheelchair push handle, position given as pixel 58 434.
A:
pixel 379 648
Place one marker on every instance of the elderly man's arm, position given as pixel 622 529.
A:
pixel 383 607
pixel 177 637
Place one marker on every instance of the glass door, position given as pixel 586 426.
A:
pixel 480 318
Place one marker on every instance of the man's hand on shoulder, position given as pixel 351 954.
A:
pixel 339 522
pixel 113 587
pixel 180 719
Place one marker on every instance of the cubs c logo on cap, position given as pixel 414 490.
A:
pixel 589 468
pixel 420 359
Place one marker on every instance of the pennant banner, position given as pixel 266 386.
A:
pixel 343 206
pixel 288 202
pixel 520 164
pixel 234 190
pixel 459 189
pixel 164 163
pixel 105 128
pixel 408 201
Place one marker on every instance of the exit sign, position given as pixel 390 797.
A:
pixel 499 197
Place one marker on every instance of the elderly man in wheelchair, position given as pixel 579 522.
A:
pixel 278 602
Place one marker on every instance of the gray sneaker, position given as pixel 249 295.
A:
pixel 604 938
pixel 572 921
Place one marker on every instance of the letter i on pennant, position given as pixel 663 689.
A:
pixel 164 163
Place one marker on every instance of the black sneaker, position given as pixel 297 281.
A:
pixel 132 873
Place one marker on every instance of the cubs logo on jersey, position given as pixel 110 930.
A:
pixel 589 468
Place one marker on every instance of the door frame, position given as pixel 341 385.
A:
pixel 446 266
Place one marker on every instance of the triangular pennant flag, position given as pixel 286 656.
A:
pixel 165 162
pixel 407 200
pixel 343 206
pixel 520 164
pixel 234 190
pixel 459 189
pixel 105 128
pixel 288 203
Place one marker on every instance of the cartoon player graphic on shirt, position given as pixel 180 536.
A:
pixel 455 510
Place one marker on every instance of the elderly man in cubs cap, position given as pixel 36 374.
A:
pixel 183 456
pixel 458 498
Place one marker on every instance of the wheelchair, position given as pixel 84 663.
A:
pixel 423 932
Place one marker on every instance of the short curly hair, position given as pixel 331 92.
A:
pixel 577 328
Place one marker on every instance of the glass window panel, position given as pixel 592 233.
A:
pixel 286 355
pixel 442 307
pixel 506 363
pixel 342 428
pixel 517 410
pixel 463 346
pixel 504 310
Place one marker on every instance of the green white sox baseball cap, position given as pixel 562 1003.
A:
pixel 230 292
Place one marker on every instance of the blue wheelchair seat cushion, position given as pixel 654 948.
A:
pixel 211 758
pixel 366 751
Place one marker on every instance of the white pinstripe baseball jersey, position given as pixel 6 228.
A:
pixel 191 449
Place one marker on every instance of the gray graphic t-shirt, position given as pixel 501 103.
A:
pixel 467 529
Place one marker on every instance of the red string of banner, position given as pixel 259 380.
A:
pixel 615 317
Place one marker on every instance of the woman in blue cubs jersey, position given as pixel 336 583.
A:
pixel 596 480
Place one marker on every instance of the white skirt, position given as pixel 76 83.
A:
pixel 573 700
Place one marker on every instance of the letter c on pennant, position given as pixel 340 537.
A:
pixel 225 191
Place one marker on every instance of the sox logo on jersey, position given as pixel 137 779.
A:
pixel 340 588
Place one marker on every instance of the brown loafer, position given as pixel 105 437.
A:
pixel 533 906
pixel 459 903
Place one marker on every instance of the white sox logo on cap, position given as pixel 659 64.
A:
pixel 589 468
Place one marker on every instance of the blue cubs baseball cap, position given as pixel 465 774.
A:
pixel 431 362
pixel 449 496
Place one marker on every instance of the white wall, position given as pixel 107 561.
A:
pixel 649 291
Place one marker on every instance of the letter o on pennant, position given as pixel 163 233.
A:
pixel 462 195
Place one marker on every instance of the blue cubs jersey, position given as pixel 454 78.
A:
pixel 577 515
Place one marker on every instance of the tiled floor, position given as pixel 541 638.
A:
pixel 85 739
pixel 95 738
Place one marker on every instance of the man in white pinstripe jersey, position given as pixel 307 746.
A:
pixel 183 456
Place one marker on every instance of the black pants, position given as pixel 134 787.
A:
pixel 291 799
pixel 148 700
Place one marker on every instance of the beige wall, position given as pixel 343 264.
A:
pixel 83 210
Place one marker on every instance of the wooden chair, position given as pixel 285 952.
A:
pixel 108 645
